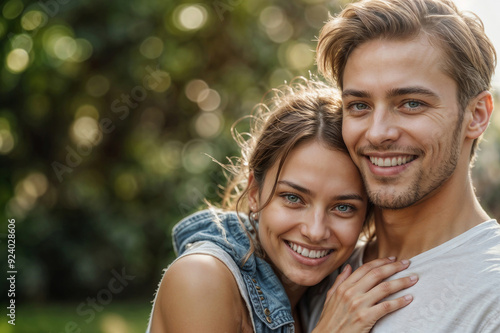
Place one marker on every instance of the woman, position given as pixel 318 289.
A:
pixel 306 206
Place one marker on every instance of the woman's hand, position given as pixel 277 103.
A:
pixel 352 303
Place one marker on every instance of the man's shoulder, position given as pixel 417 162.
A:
pixel 484 238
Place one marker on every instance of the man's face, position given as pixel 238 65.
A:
pixel 402 121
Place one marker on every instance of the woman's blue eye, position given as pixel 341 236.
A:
pixel 344 208
pixel 360 106
pixel 292 198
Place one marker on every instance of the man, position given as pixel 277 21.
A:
pixel 415 76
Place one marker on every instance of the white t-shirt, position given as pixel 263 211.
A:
pixel 458 288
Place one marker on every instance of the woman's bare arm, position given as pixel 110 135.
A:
pixel 198 294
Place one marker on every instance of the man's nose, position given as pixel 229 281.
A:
pixel 382 127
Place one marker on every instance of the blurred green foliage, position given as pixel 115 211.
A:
pixel 107 109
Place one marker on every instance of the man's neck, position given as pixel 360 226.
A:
pixel 433 221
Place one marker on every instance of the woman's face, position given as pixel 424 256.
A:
pixel 312 223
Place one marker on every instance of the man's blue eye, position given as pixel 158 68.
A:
pixel 413 104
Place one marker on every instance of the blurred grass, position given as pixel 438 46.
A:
pixel 130 317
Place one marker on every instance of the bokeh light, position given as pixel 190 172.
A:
pixel 316 16
pixel 85 131
pixel 65 47
pixel 196 156
pixel 26 193
pixel 272 17
pixel 159 82
pixel 33 19
pixel 97 85
pixel 52 35
pixel 209 100
pixel 171 154
pixel 190 17
pixel 12 9
pixel 22 41
pixel 280 76
pixel 83 50
pixel 276 24
pixel 208 124
pixel 151 47
pixel 17 60
pixel 87 110
pixel 59 43
pixel 6 141
pixel 195 88
pixel 299 56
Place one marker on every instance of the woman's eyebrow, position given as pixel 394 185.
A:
pixel 350 196
pixel 295 186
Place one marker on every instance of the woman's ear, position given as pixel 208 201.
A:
pixel 481 108
pixel 253 193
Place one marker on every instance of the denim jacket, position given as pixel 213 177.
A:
pixel 271 309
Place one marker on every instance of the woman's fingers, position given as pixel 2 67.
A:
pixel 384 290
pixel 340 279
pixel 373 287
pixel 387 288
pixel 370 274
pixel 376 275
pixel 354 303
pixel 379 310
pixel 366 268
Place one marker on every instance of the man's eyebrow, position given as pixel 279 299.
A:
pixel 355 93
pixel 392 93
pixel 412 91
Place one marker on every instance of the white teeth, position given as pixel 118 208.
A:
pixel 308 253
pixel 390 162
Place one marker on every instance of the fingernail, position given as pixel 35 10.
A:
pixel 413 278
pixel 408 297
pixel 345 268
pixel 391 258
pixel 405 261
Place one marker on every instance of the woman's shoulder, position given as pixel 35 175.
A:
pixel 195 272
pixel 224 228
pixel 198 286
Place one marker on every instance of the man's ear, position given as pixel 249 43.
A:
pixel 253 193
pixel 481 108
